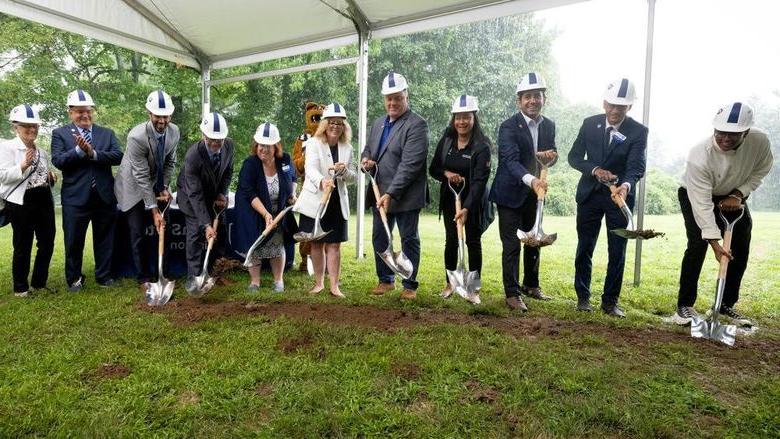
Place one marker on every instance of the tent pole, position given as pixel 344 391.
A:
pixel 362 80
pixel 205 91
pixel 641 186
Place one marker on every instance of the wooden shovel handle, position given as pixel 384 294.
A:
pixel 540 194
pixel 459 222
pixel 724 260
pixel 326 193
pixel 161 240
pixel 617 199
pixel 214 225
pixel 270 227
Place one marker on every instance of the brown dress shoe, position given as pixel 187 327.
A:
pixel 382 288
pixel 536 293
pixel 515 303
pixel 408 294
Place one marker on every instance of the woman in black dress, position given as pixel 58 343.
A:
pixel 462 157
pixel 329 165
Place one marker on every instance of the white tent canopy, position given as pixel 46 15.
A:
pixel 227 33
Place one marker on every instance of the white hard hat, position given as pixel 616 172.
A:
pixel 733 118
pixel 531 81
pixel 214 126
pixel 620 92
pixel 159 103
pixel 24 114
pixel 267 134
pixel 393 83
pixel 465 104
pixel 80 98
pixel 334 110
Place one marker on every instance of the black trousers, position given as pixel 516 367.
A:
pixel 143 242
pixel 509 220
pixel 697 249
pixel 75 220
pixel 473 241
pixel 196 245
pixel 589 214
pixel 410 244
pixel 34 218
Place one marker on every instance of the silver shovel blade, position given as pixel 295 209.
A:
pixel 458 282
pixel 153 294
pixel 309 266
pixel 726 334
pixel 404 264
pixel 700 328
pixel 167 291
pixel 624 233
pixel 473 282
pixel 389 260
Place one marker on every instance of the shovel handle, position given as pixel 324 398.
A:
pixel 458 223
pixel 161 241
pixel 278 218
pixel 724 260
pixel 214 225
pixel 540 194
pixel 617 199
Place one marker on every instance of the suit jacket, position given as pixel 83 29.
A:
pixel 138 171
pixel 401 165
pixel 625 159
pixel 516 158
pixel 476 179
pixel 318 160
pixel 78 172
pixel 12 153
pixel 198 185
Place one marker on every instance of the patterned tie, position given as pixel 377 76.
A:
pixel 608 136
pixel 160 184
pixel 87 135
pixel 215 162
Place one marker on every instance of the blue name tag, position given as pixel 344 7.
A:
pixel 618 137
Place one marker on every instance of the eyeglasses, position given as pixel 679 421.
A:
pixel 260 145
pixel 728 134
pixel 215 141
pixel 335 122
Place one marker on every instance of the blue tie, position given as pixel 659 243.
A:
pixel 87 135
pixel 215 162
pixel 160 184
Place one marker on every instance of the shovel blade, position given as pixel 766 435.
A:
pixel 458 283
pixel 627 234
pixel 167 291
pixel 387 257
pixel 153 294
pixel 404 264
pixel 473 282
pixel 309 266
pixel 700 328
pixel 726 334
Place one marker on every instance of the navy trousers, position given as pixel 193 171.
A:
pixel 75 220
pixel 589 214
pixel 410 244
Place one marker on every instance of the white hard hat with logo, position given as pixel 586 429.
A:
pixel 393 83
pixel 159 103
pixel 214 126
pixel 267 134
pixel 531 81
pixel 733 118
pixel 334 110
pixel 465 104
pixel 24 114
pixel 620 92
pixel 80 98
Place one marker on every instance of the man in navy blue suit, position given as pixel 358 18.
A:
pixel 609 151
pixel 520 139
pixel 85 153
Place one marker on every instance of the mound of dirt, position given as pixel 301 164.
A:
pixel 108 371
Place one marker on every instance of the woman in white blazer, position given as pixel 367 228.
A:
pixel 25 187
pixel 329 163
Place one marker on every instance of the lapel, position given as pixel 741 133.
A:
pixel 526 132
pixel 151 138
pixel 327 158
pixel 204 156
pixel 399 123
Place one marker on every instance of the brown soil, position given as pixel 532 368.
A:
pixel 480 392
pixel 189 311
pixel 407 371
pixel 108 371
pixel 297 344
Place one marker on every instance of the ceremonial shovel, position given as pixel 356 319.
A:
pixel 265 234
pixel 466 283
pixel 397 261
pixel 629 232
pixel 317 233
pixel 205 282
pixel 711 327
pixel 536 236
pixel 160 292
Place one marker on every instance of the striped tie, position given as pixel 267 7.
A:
pixel 87 135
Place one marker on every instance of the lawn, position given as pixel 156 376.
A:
pixel 101 364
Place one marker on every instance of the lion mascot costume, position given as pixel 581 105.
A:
pixel 312 114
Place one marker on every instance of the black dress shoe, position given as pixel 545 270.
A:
pixel 107 283
pixel 584 305
pixel 613 310
pixel 515 303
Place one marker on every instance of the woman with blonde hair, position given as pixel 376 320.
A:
pixel 329 166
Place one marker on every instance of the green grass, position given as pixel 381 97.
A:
pixel 239 377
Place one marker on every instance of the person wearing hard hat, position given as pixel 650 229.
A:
pixel 397 151
pixel 25 190
pixel 145 175
pixel 329 165
pixel 522 139
pixel 202 192
pixel 85 153
pixel 462 161
pixel 720 174
pixel 265 188
pixel 609 151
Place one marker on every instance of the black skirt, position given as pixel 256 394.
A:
pixel 331 220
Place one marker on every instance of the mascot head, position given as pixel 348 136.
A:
pixel 313 113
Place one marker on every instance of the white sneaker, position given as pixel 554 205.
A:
pixel 278 287
pixel 22 294
pixel 684 315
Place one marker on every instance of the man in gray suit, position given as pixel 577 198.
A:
pixel 398 148
pixel 145 175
